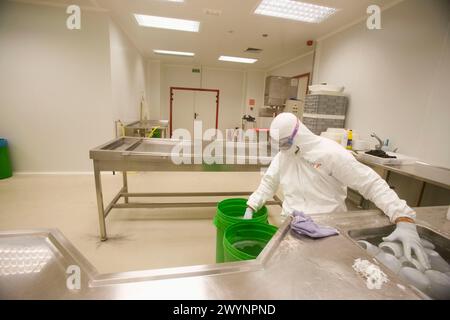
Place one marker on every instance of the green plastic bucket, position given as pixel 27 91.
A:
pixel 157 133
pixel 229 212
pixel 245 241
pixel 5 163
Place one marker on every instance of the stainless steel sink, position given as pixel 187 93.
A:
pixel 442 246
pixel 374 235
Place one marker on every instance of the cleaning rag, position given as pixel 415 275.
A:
pixel 304 225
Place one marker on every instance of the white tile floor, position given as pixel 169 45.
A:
pixel 138 238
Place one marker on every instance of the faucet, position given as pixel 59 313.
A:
pixel 378 146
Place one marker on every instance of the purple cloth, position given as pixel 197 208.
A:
pixel 304 225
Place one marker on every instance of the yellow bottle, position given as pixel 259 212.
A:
pixel 350 140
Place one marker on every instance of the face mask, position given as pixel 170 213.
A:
pixel 286 143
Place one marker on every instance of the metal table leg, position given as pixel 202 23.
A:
pixel 125 184
pixel 422 190
pixel 101 211
pixel 123 192
pixel 387 176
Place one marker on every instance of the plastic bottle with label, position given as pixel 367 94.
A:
pixel 349 140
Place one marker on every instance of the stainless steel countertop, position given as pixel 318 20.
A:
pixel 290 267
pixel 147 124
pixel 143 154
pixel 421 171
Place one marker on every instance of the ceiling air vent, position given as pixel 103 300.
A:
pixel 253 50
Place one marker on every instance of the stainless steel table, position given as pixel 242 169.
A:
pixel 140 154
pixel 426 173
pixel 290 267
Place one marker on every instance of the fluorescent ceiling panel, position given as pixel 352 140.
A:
pixel 175 53
pixel 237 59
pixel 294 10
pixel 167 23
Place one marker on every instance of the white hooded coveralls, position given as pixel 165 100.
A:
pixel 315 179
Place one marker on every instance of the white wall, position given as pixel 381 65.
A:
pixel 236 87
pixel 295 67
pixel 232 94
pixel 56 96
pixel 128 72
pixel 154 88
pixel 255 86
pixel 397 78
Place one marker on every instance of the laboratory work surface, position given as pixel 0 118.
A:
pixel 290 267
pixel 126 154
pixel 418 170
pixel 425 174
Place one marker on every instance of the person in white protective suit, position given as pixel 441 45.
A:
pixel 314 173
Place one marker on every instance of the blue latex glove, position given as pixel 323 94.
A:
pixel 406 233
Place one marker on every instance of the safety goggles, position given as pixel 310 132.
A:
pixel 286 143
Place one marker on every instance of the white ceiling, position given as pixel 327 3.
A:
pixel 287 39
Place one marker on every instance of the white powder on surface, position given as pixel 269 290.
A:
pixel 289 244
pixel 286 247
pixel 372 273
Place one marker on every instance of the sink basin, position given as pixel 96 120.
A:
pixel 442 247
pixel 401 159
pixel 374 235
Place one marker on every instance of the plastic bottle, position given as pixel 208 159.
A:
pixel 344 139
pixel 349 140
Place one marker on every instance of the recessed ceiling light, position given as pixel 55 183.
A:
pixel 175 53
pixel 294 10
pixel 167 23
pixel 237 59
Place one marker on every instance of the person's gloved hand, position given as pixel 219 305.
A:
pixel 248 213
pixel 406 233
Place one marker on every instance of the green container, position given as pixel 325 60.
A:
pixel 245 241
pixel 5 163
pixel 157 133
pixel 229 212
